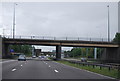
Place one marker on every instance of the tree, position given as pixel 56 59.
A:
pixel 117 38
pixel 90 53
pixel 26 49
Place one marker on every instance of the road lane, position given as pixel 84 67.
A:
pixel 36 69
pixel 8 66
pixel 32 70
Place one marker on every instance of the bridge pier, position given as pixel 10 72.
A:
pixel 58 52
pixel 5 50
pixel 0 46
pixel 111 55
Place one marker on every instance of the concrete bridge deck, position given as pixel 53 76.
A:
pixel 73 43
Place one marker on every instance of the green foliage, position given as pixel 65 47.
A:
pixel 117 38
pixel 75 52
pixel 84 52
pixel 104 71
pixel 26 49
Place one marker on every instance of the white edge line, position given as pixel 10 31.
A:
pixel 7 61
pixel 86 70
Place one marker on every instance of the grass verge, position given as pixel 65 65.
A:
pixel 104 71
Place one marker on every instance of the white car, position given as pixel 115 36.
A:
pixel 22 58
pixel 33 56
pixel 83 59
pixel 39 56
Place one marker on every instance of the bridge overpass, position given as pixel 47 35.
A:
pixel 111 49
pixel 70 43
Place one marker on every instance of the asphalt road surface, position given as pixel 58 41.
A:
pixel 44 69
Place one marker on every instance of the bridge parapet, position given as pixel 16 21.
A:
pixel 60 38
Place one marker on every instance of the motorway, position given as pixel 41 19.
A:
pixel 44 69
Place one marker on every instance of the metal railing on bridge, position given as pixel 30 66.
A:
pixel 58 38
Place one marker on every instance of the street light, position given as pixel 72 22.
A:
pixel 14 21
pixel 108 26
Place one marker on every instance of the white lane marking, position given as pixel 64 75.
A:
pixel 7 61
pixel 84 70
pixel 49 66
pixel 21 65
pixel 13 69
pixel 56 71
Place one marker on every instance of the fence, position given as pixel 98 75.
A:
pixel 59 38
pixel 117 66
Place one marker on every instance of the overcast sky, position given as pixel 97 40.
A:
pixel 60 19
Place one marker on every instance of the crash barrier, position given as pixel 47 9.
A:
pixel 109 66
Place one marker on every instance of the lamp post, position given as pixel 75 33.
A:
pixel 14 21
pixel 108 25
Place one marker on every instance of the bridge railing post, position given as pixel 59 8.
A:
pixel 54 38
pixel 90 39
pixel 43 37
pixel 20 37
pixel 66 38
pixel 102 39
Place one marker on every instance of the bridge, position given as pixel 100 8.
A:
pixel 62 41
pixel 111 48
pixel 111 53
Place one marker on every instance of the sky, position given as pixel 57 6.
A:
pixel 60 19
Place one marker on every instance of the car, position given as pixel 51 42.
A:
pixel 33 56
pixel 39 56
pixel 22 58
pixel 42 56
pixel 83 59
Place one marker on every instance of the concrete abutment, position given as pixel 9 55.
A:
pixel 111 55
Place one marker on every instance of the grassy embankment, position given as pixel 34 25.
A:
pixel 104 71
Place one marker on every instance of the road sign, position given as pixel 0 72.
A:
pixel 11 50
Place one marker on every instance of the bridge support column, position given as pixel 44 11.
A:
pixel 111 55
pixel 5 50
pixel 95 53
pixel 58 52
pixel 0 46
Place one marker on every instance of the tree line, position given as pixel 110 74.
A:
pixel 25 49
pixel 84 52
pixel 89 52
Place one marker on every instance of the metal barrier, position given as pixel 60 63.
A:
pixel 58 38
pixel 94 64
